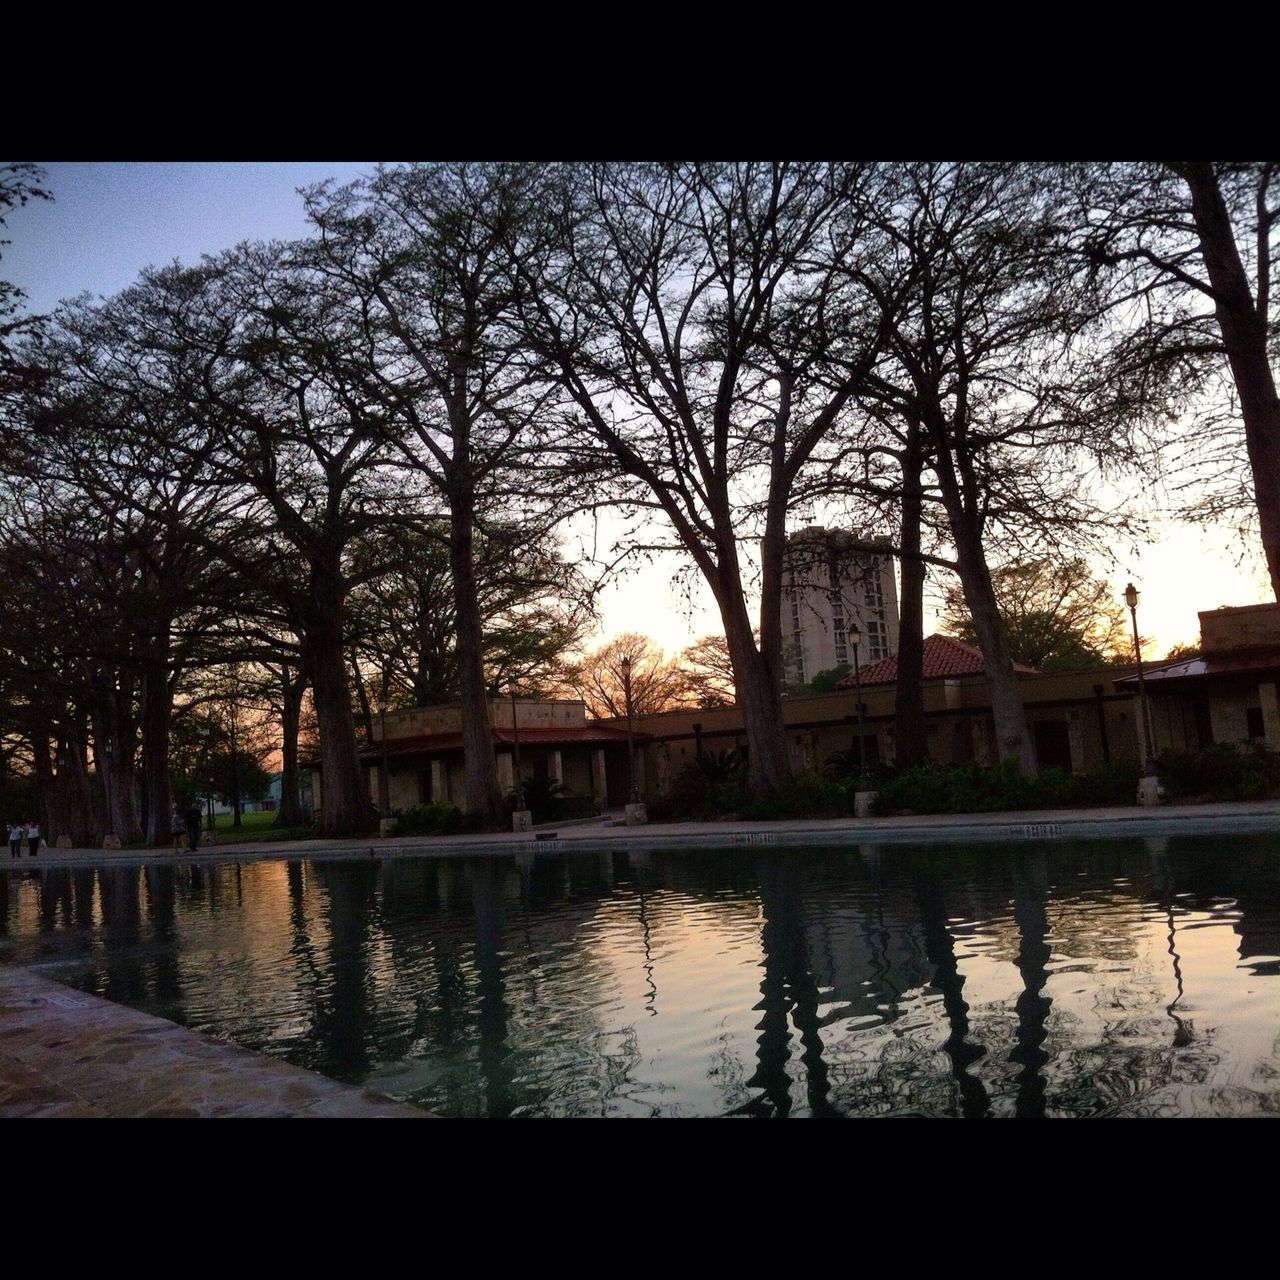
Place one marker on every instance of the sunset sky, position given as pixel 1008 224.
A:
pixel 109 221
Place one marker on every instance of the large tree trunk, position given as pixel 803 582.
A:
pixel 157 714
pixel 1244 333
pixel 292 687
pixel 345 807
pixel 759 698
pixel 1013 739
pixel 910 743
pixel 484 797
pixel 42 759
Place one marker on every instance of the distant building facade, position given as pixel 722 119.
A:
pixel 828 586
pixel 554 738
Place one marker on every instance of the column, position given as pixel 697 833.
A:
pixel 1270 705
pixel 556 770
pixel 599 789
pixel 506 771
pixel 439 782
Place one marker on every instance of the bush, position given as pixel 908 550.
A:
pixel 1223 771
pixel 435 819
pixel 932 788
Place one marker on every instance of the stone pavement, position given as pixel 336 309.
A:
pixel 67 1054
pixel 595 836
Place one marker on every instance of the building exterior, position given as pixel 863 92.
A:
pixel 1228 693
pixel 423 754
pixel 1078 720
pixel 827 586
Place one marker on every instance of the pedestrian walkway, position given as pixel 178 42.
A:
pixel 594 836
pixel 67 1054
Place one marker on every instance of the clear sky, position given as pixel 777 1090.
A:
pixel 108 221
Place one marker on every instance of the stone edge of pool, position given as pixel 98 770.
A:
pixel 1183 820
pixel 71 1055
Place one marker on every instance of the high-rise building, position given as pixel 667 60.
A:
pixel 828 585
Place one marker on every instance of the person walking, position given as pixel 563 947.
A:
pixel 33 838
pixel 15 839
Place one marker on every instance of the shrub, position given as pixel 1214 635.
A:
pixel 1223 771
pixel 435 819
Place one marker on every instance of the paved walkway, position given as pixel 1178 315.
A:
pixel 67 1054
pixel 592 836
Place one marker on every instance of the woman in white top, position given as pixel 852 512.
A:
pixel 33 837
pixel 15 839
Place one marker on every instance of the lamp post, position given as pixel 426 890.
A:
pixel 384 779
pixel 515 741
pixel 1147 788
pixel 864 796
pixel 110 840
pixel 855 639
pixel 631 753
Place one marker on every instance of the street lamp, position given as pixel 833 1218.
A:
pixel 855 639
pixel 631 752
pixel 384 781
pixel 1149 764
pixel 515 741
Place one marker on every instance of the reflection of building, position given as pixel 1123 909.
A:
pixel 1228 693
pixel 827 587
pixel 424 753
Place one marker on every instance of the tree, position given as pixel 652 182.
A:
pixel 657 684
pixel 1058 616
pixel 989 355
pixel 695 319
pixel 1184 253
pixel 19 183
pixel 433 253
pixel 708 672
pixel 534 608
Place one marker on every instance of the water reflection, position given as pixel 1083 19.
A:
pixel 1107 978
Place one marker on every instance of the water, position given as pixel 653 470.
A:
pixel 1104 978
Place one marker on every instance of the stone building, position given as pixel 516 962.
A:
pixel 424 753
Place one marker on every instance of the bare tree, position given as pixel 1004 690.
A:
pixel 433 253
pixel 695 319
pixel 1185 251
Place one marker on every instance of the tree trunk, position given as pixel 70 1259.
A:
pixel 484 798
pixel 910 743
pixel 1013 739
pixel 157 713
pixel 345 807
pixel 759 697
pixel 44 782
pixel 291 690
pixel 1244 333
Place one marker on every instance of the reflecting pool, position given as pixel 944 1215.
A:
pixel 1136 977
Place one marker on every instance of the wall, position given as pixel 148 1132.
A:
pixel 1244 627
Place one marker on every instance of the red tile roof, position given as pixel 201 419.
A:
pixel 944 657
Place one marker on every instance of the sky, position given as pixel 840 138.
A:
pixel 110 220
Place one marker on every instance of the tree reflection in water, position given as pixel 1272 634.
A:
pixel 1042 980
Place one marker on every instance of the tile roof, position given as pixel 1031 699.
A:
pixel 944 657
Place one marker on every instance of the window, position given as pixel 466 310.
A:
pixel 1253 719
pixel 841 640
pixel 877 640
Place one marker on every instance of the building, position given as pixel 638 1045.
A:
pixel 1226 694
pixel 1078 720
pixel 423 754
pixel 827 587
